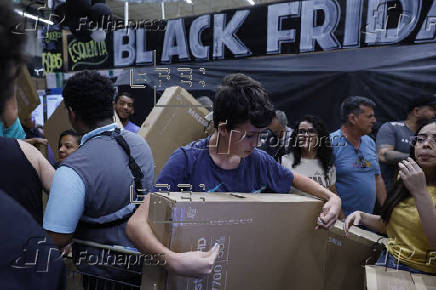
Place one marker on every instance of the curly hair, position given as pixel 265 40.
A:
pixel 90 96
pixel 324 151
pixel 398 191
pixel 11 50
pixel 240 99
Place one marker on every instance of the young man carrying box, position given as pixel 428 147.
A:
pixel 227 161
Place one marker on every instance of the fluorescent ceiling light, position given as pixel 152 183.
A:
pixel 251 2
pixel 188 1
pixel 31 16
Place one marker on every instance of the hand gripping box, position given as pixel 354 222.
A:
pixel 176 120
pixel 267 241
pixel 346 257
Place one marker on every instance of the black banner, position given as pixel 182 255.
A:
pixel 279 28
pixel 292 27
pixel 314 83
pixel 89 55
pixel 52 57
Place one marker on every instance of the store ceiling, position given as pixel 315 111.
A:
pixel 177 9
pixel 144 11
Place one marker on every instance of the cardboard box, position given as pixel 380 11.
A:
pixel 346 257
pixel 176 120
pixel 267 241
pixel 381 278
pixel 26 94
pixel 59 122
pixel 40 83
pixel 55 125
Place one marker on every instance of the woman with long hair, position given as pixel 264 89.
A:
pixel 310 152
pixel 408 216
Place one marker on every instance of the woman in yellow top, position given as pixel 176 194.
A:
pixel 409 215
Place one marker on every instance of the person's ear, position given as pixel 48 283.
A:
pixel 71 115
pixel 222 129
pixel 352 119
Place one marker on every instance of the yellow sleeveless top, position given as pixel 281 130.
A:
pixel 407 241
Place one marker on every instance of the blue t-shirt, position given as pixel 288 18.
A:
pixel 355 173
pixel 131 127
pixel 192 164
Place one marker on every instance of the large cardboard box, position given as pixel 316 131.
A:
pixel 55 125
pixel 26 94
pixel 267 241
pixel 381 278
pixel 176 120
pixel 346 257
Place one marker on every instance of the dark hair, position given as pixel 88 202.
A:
pixel 240 99
pixel 398 192
pixel 90 96
pixel 126 94
pixel 11 50
pixel 324 150
pixel 71 132
pixel 351 105
pixel 422 100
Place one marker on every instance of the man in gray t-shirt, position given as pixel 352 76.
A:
pixel 393 138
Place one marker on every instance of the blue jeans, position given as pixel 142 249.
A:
pixel 391 262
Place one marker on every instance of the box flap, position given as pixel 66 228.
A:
pixel 357 234
pixel 424 282
pixel 381 278
pixel 190 197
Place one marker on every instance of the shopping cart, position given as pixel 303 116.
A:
pixel 78 280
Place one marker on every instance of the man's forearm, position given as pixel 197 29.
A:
pixel 307 185
pixel 60 240
pixel 380 189
pixel 140 233
pixel 393 157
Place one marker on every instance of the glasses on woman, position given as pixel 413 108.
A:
pixel 310 131
pixel 421 138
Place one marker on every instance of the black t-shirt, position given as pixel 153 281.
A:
pixel 19 179
pixel 28 258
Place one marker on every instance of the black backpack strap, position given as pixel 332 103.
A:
pixel 133 166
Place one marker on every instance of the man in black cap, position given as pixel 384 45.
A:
pixel 393 138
